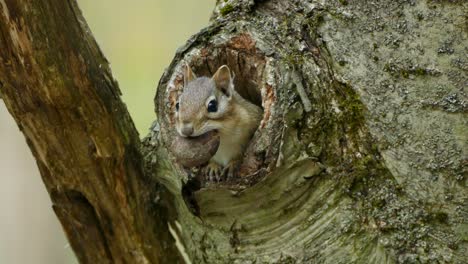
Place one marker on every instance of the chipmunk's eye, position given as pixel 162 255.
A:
pixel 177 106
pixel 212 106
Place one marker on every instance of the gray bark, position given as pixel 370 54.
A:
pixel 360 156
pixel 363 144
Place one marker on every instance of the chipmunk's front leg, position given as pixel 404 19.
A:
pixel 231 169
pixel 213 171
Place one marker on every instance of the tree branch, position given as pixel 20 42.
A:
pixel 58 87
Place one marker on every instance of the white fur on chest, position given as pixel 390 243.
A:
pixel 231 146
pixel 235 133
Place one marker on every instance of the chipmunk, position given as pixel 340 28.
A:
pixel 208 104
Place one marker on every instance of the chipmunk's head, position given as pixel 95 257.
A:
pixel 204 102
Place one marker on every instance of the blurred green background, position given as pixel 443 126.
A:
pixel 139 38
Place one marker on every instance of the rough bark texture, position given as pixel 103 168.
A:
pixel 360 156
pixel 57 85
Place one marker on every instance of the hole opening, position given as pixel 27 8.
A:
pixel 252 80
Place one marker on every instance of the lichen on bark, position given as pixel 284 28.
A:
pixel 333 165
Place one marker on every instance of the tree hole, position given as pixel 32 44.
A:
pixel 253 80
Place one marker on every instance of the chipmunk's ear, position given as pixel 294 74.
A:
pixel 223 80
pixel 188 75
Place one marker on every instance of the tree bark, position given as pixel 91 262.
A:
pixel 57 85
pixel 360 156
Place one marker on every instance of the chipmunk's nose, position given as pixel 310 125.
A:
pixel 187 129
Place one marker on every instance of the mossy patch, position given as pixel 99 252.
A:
pixel 439 217
pixel 226 9
pixel 405 72
pixel 351 106
pixel 343 2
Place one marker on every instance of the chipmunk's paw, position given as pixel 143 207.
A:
pixel 231 169
pixel 213 172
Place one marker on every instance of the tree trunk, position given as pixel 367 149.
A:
pixel 57 85
pixel 360 156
